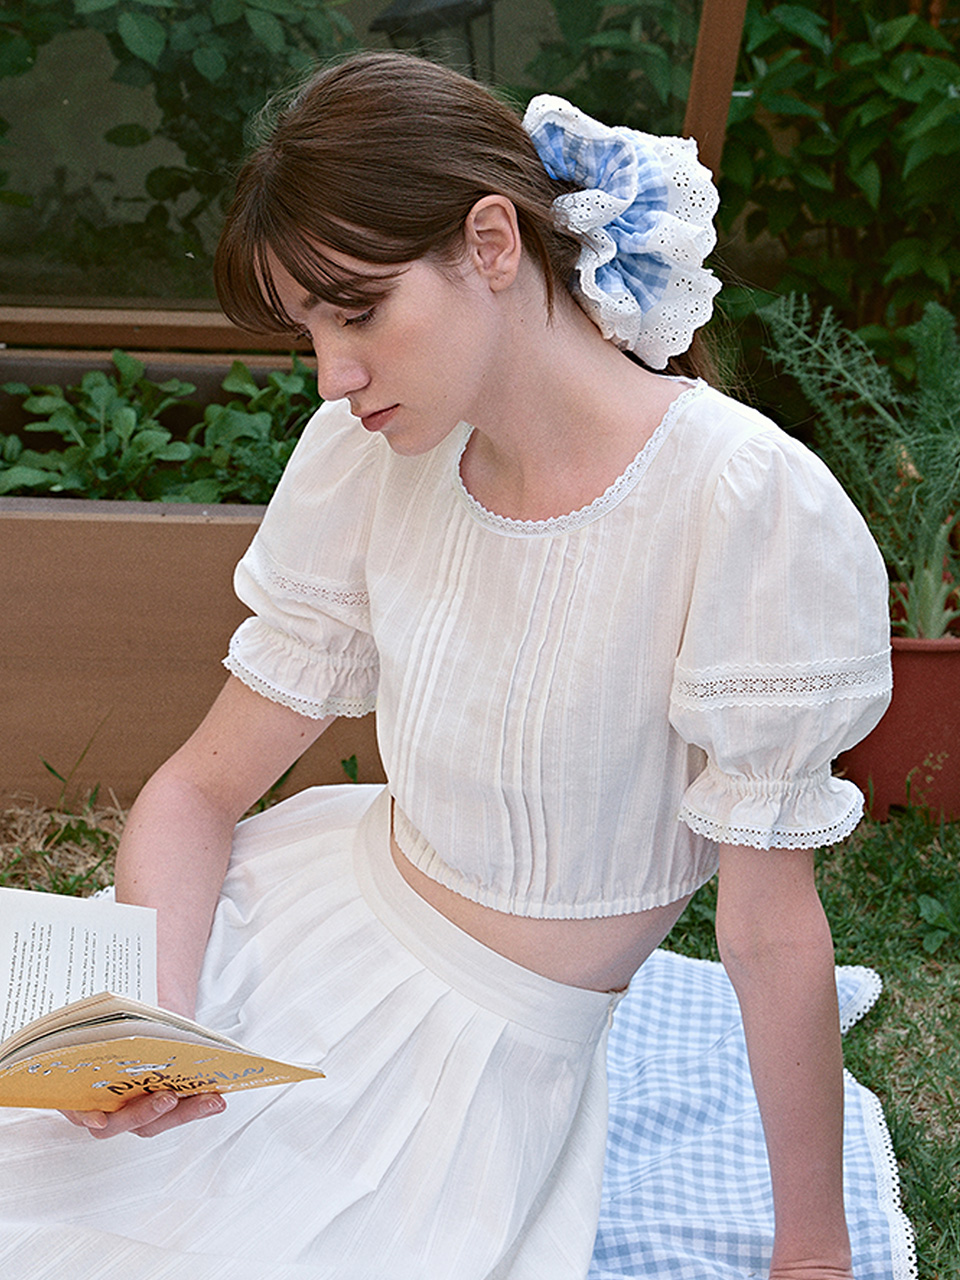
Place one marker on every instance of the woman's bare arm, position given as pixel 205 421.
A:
pixel 775 942
pixel 174 854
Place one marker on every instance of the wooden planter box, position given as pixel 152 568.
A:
pixel 116 617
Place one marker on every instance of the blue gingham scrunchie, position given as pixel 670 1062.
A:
pixel 644 215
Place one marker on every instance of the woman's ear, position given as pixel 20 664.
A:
pixel 492 240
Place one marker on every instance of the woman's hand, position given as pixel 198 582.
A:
pixel 149 1115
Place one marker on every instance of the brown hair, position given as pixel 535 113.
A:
pixel 379 158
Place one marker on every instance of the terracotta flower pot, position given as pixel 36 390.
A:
pixel 914 752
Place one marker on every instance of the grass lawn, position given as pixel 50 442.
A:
pixel 892 892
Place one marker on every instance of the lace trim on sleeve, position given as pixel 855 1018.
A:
pixel 756 838
pixel 316 709
pixel 802 811
pixel 784 685
pixel 336 599
pixel 298 589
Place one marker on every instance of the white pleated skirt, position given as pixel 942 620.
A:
pixel 459 1133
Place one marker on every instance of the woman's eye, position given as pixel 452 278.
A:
pixel 364 317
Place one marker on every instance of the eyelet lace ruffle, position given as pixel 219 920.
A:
pixel 645 216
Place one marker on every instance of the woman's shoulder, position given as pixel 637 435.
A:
pixel 322 507
pixel 723 439
pixel 718 419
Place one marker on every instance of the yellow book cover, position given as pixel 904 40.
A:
pixel 68 1043
pixel 98 1053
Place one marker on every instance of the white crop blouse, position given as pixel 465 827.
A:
pixel 573 712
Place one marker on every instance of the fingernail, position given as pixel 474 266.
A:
pixel 163 1102
pixel 93 1120
pixel 213 1106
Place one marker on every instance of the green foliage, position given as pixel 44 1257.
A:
pixel 241 448
pixel 117 446
pixel 941 919
pixel 211 66
pixel 896 452
pixel 112 432
pixel 843 144
pixel 843 141
pixel 623 63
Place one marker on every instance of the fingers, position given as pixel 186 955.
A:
pixel 149 1115
pixel 184 1110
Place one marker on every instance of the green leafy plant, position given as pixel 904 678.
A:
pixel 211 65
pixel 116 445
pixel 896 452
pixel 941 918
pixel 114 438
pixel 843 145
pixel 241 448
pixel 623 63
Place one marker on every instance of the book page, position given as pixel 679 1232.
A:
pixel 54 949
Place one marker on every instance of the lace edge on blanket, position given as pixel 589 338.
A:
pixel 315 708
pixel 868 993
pixel 902 1241
pixel 788 684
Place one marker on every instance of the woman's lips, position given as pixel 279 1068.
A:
pixel 378 420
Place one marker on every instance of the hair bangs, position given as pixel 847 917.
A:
pixel 252 245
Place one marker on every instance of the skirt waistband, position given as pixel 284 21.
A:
pixel 484 976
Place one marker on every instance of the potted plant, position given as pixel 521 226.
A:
pixel 897 453
pixel 124 506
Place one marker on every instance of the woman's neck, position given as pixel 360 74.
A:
pixel 569 414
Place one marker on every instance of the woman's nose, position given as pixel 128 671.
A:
pixel 339 374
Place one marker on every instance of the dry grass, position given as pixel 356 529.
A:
pixel 69 849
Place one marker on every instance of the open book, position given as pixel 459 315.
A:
pixel 79 1029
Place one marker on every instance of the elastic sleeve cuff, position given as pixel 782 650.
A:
pixel 797 813
pixel 309 681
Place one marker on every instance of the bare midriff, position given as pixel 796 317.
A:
pixel 600 954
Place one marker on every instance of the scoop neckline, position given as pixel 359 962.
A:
pixel 614 494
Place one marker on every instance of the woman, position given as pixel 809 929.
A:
pixel 615 628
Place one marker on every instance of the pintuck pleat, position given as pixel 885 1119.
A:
pixel 459 1129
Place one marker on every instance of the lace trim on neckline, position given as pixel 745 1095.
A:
pixel 610 498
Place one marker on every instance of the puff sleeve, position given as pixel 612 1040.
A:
pixel 308 645
pixel 785 660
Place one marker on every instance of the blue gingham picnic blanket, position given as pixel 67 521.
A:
pixel 686 1192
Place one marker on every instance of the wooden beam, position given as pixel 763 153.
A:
pixel 711 83
pixel 144 329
